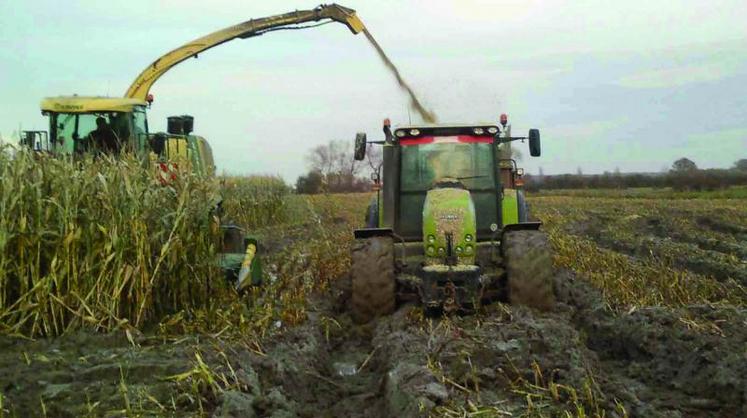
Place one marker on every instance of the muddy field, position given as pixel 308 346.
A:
pixel 650 322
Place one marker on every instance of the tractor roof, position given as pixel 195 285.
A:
pixel 87 104
pixel 478 129
pixel 446 125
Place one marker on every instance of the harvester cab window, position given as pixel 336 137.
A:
pixel 85 132
pixel 140 124
pixel 102 135
pixel 63 132
pixel 120 125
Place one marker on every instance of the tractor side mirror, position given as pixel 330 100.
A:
pixel 360 146
pixel 534 143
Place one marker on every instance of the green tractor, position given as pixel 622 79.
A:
pixel 449 228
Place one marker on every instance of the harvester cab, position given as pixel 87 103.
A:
pixel 104 125
pixel 448 229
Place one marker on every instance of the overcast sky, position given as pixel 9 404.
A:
pixel 629 84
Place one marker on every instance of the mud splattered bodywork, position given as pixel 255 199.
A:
pixel 449 227
pixel 444 210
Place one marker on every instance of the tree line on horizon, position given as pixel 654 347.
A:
pixel 684 174
pixel 332 169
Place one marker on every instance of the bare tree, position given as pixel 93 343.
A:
pixel 334 160
pixel 374 157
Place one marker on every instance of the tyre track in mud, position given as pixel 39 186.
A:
pixel 323 374
pixel 648 361
pixel 655 363
pixel 401 365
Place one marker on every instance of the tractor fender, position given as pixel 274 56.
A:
pixel 373 232
pixel 524 226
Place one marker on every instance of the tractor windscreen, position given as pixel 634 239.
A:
pixel 425 162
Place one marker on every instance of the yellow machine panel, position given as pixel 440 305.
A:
pixel 88 104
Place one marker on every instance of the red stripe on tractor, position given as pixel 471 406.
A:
pixel 464 139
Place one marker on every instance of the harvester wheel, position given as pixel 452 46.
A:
pixel 374 285
pixel 529 267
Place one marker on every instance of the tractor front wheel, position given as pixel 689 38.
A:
pixel 374 285
pixel 528 260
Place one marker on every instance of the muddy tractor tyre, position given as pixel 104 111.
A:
pixel 373 281
pixel 528 260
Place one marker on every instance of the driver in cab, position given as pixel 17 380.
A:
pixel 104 138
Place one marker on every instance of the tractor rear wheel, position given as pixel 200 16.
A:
pixel 374 285
pixel 528 260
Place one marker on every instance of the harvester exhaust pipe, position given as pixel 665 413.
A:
pixel 180 125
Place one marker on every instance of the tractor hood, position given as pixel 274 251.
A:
pixel 449 226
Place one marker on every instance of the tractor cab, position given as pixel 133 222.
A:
pixel 433 158
pixel 421 158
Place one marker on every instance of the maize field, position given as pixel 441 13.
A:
pixel 112 306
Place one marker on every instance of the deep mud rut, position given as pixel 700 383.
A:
pixel 505 361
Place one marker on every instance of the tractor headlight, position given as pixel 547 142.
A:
pixel 468 238
pixel 400 134
pixel 493 130
pixel 468 249
pixel 478 131
pixel 414 132
pixel 441 251
pixel 459 250
pixel 431 250
pixel 431 239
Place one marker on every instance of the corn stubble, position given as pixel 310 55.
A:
pixel 613 243
pixel 101 244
